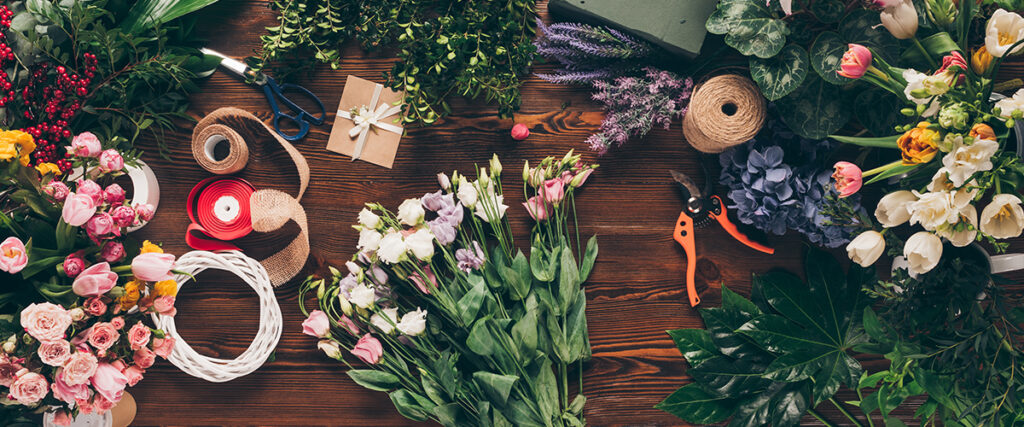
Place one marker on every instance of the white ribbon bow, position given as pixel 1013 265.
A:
pixel 367 118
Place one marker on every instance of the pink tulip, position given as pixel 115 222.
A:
pixel 94 281
pixel 848 178
pixel 536 208
pixel 317 325
pixel 85 144
pixel 153 267
pixel 111 161
pixel 13 257
pixel 855 62
pixel 78 208
pixel 368 349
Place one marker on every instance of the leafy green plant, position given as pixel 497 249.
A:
pixel 473 48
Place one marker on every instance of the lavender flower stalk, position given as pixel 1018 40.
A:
pixel 633 105
pixel 589 53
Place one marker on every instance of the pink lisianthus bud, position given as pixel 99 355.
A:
pixel 113 194
pixel 520 132
pixel 553 191
pixel 145 211
pixel 368 349
pixel 90 188
pixel 536 208
pixel 58 190
pixel 85 144
pixel 111 161
pixel 855 61
pixel 112 251
pixel 73 266
pixel 124 216
pixel 848 178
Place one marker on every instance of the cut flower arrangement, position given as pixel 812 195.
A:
pixel 453 321
pixel 74 290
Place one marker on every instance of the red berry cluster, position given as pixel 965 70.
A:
pixel 50 99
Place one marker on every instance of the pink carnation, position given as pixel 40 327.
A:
pixel 58 190
pixel 124 216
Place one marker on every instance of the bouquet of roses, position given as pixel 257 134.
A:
pixel 955 153
pixel 72 300
pixel 451 320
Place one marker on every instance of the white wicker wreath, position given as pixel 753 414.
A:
pixel 221 370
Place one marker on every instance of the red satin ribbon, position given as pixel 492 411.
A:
pixel 207 232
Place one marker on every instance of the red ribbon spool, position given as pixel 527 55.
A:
pixel 219 210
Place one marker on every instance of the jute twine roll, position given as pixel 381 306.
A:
pixel 724 111
pixel 207 138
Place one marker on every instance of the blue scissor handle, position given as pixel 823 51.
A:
pixel 302 118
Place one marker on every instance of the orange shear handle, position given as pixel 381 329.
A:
pixel 684 235
pixel 729 227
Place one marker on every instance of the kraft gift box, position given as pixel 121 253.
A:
pixel 381 145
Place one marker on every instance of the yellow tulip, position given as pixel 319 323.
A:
pixel 919 144
pixel 981 60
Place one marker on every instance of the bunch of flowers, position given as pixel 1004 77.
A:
pixel 449 318
pixel 72 301
pixel 953 152
pixel 633 105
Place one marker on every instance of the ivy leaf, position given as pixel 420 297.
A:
pixel 692 404
pixel 877 109
pixel 782 74
pixel 815 109
pixel 749 27
pixel 826 56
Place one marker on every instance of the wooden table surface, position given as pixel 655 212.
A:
pixel 635 293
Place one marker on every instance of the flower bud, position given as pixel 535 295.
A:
pixel 909 112
pixel 495 167
pixel 981 60
pixel 346 307
pixel 484 179
pixel 77 314
pixel 526 171
pixel 900 19
pixel 444 182
pixel 330 348
pixel 9 347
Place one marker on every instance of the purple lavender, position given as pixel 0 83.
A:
pixel 589 53
pixel 633 105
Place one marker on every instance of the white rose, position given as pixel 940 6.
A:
pixel 369 240
pixel 368 220
pixel 413 323
pixel 1003 218
pixel 866 248
pixel 933 209
pixel 77 313
pixel 915 81
pixel 330 348
pixel 385 323
pixel 421 244
pixel 392 247
pixel 922 251
pixel 964 160
pixel 362 296
pixel 1002 31
pixel 411 212
pixel 1007 105
pixel 965 235
pixel 467 193
pixel 894 208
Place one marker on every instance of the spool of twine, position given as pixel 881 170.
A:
pixel 206 140
pixel 724 111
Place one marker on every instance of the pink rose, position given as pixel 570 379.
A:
pixel 536 208
pixel 13 257
pixel 62 418
pixel 553 191
pixel 78 208
pixel 102 336
pixel 90 188
pixel 112 251
pixel 368 349
pixel 117 322
pixel 73 266
pixel 109 382
pixel 29 388
pixel 58 190
pixel 55 353
pixel 144 357
pixel 134 374
pixel 138 336
pixel 45 322
pixel 111 161
pixel 145 211
pixel 79 368
pixel 95 306
pixel 94 281
pixel 165 305
pixel 317 325
pixel 102 404
pixel 84 406
pixel 153 267
pixel 124 216
pixel 113 194
pixel 68 393
pixel 163 346
pixel 102 224
pixel 85 144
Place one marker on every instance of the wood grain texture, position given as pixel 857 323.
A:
pixel 636 291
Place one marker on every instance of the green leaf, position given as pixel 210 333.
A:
pixel 448 415
pixel 576 327
pixel 729 377
pixel 722 325
pixel 497 387
pixel 828 11
pixel 520 414
pixel 35 267
pixel 815 109
pixel 148 13
pixel 518 286
pixel 877 109
pixel 469 304
pixel 559 343
pixel 779 75
pixel 782 405
pixel 733 301
pixel 749 27
pixel 568 279
pixel 65 236
pixel 589 257
pixel 480 340
pixel 539 264
pixel 407 404
pixel 373 379
pixel 826 55
pixel 861 27
pixel 694 344
pixel 938 44
pixel 524 333
pixel 692 404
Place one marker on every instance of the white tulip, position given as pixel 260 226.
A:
pixel 392 247
pixel 421 244
pixel 362 296
pixel 1003 218
pixel 1002 31
pixel 414 322
pixel 933 209
pixel 866 248
pixel 330 348
pixel 900 19
pixel 467 194
pixel 1007 105
pixel 411 212
pixel 968 231
pixel 385 323
pixel 965 160
pixel 923 251
pixel 369 240
pixel 894 208
pixel 368 220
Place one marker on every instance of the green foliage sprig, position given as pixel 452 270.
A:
pixel 473 48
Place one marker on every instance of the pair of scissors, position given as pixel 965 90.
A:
pixel 701 209
pixel 274 91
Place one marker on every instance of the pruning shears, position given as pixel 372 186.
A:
pixel 701 209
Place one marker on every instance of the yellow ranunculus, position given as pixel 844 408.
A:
pixel 148 247
pixel 131 295
pixel 15 143
pixel 981 60
pixel 45 168
pixel 919 144
pixel 166 287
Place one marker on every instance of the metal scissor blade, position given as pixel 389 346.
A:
pixel 687 183
pixel 231 64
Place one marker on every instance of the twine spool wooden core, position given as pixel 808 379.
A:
pixel 724 111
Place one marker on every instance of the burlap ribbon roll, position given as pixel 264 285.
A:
pixel 269 209
pixel 724 111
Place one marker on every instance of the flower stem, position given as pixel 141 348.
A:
pixel 827 423
pixel 925 52
pixel 882 168
pixel 845 412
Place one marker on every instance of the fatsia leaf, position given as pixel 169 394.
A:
pixel 722 325
pixel 779 75
pixel 694 344
pixel 788 295
pixel 733 301
pixel 778 335
pixel 729 377
pixel 838 368
pixel 782 405
pixel 692 404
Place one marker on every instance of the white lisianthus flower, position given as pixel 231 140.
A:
pixel 967 234
pixel 1003 218
pixel 468 194
pixel 369 240
pixel 915 82
pixel 965 160
pixel 353 268
pixel 362 296
pixel 923 251
pixel 368 220
pixel 1007 105
pixel 330 348
pixel 411 212
pixel 421 244
pixel 1002 31
pixel 385 320
pixel 392 247
pixel 933 209
pixel 866 248
pixel 491 204
pixel 413 323
pixel 444 181
pixel 894 208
